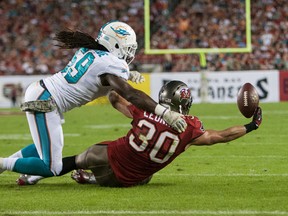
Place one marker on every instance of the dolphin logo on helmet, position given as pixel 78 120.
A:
pixel 120 31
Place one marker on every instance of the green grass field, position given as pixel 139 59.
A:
pixel 248 176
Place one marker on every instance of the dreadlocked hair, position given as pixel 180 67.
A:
pixel 76 39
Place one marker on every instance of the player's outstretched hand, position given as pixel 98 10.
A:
pixel 175 120
pixel 257 117
pixel 256 121
pixel 136 77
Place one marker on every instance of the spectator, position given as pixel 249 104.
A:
pixel 27 28
pixel 221 24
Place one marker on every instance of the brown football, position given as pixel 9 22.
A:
pixel 247 100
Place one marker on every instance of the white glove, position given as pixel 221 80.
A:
pixel 136 77
pixel 174 119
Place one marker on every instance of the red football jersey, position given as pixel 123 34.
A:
pixel 149 146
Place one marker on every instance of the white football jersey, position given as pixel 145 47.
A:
pixel 79 82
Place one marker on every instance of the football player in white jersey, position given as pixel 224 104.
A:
pixel 97 67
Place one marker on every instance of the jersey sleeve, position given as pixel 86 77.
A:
pixel 115 66
pixel 195 125
pixel 134 110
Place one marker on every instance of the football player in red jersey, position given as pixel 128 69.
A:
pixel 150 144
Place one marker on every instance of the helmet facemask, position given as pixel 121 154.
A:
pixel 129 53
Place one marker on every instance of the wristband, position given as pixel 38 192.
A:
pixel 251 126
pixel 160 110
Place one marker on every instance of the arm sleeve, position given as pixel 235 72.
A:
pixel 117 68
pixel 135 111
pixel 196 125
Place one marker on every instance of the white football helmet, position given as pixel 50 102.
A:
pixel 119 39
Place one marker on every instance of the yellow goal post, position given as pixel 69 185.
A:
pixel 200 51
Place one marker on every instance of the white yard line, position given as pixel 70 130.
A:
pixel 158 212
pixel 226 175
pixel 107 126
pixel 236 156
pixel 213 174
pixel 28 136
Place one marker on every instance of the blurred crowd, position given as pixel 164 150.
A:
pixel 222 24
pixel 28 27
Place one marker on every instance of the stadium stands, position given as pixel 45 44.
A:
pixel 28 26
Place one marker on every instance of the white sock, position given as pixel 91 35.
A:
pixel 1 163
pixel 17 154
pixel 8 163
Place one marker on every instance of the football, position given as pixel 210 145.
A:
pixel 247 100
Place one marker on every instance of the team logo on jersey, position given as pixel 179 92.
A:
pixel 120 31
pixel 185 93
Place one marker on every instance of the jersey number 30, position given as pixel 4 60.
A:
pixel 154 152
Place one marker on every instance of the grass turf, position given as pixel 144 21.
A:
pixel 247 176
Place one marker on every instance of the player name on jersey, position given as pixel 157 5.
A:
pixel 154 117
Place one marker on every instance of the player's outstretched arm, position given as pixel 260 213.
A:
pixel 143 101
pixel 211 137
pixel 119 103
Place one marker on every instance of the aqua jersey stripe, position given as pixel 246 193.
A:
pixel 45 95
pixel 44 136
pixel 43 131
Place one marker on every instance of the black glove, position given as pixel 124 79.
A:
pixel 256 121
pixel 257 117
